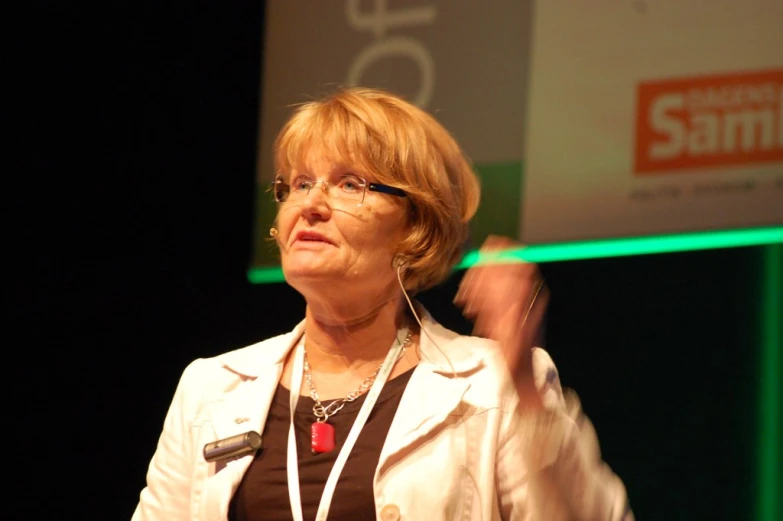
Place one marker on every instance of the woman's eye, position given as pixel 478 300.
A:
pixel 351 184
pixel 301 183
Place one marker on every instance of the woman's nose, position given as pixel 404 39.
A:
pixel 317 199
pixel 324 188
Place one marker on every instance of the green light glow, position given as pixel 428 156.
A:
pixel 265 275
pixel 631 246
pixel 595 249
pixel 769 463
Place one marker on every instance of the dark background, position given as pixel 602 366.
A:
pixel 132 228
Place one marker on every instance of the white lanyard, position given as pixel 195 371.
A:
pixel 364 413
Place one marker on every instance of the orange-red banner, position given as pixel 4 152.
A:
pixel 709 121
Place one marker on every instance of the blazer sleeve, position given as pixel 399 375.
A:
pixel 167 495
pixel 550 465
pixel 590 488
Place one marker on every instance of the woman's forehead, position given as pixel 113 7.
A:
pixel 320 160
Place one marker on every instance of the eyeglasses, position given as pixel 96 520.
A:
pixel 348 189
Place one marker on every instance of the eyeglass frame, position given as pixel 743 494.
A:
pixel 372 187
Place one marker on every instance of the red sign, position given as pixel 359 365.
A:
pixel 709 121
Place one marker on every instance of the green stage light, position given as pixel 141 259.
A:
pixel 630 246
pixel 540 253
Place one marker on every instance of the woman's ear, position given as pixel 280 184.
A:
pixel 400 260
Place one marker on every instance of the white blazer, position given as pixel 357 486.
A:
pixel 456 449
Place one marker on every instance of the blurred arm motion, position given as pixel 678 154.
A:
pixel 565 477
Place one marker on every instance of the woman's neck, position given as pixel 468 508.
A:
pixel 344 338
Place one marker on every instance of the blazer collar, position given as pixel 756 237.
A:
pixel 445 352
pixel 441 350
pixel 435 390
pixel 260 367
pixel 253 360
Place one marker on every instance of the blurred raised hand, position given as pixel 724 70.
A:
pixel 506 301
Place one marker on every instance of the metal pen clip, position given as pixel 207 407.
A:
pixel 233 446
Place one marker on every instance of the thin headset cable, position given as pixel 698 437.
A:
pixel 421 326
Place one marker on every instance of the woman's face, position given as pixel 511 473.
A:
pixel 331 245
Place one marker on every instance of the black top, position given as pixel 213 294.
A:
pixel 263 493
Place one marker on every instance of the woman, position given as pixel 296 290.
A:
pixel 394 417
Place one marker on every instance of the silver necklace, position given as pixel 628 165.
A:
pixel 322 412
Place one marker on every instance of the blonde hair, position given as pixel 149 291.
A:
pixel 400 145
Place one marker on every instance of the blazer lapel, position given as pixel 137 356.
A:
pixel 246 409
pixel 434 397
pixel 243 410
pixel 435 390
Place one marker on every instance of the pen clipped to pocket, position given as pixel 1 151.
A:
pixel 232 447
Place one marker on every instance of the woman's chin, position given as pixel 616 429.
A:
pixel 295 272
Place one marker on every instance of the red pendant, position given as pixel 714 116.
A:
pixel 321 437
